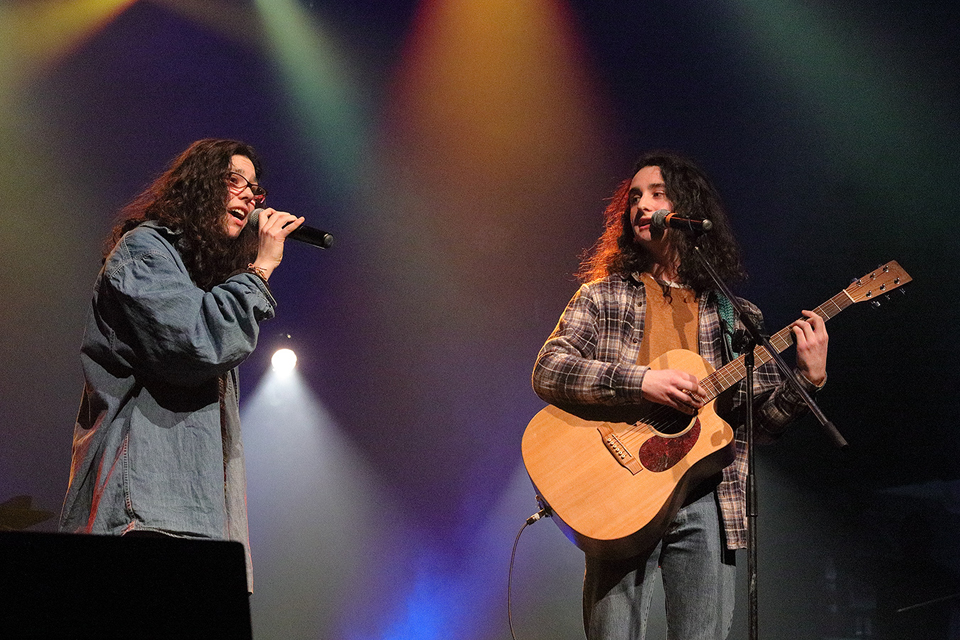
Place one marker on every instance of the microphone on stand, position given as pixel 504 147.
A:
pixel 663 219
pixel 303 233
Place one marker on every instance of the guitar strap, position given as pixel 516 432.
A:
pixel 735 341
pixel 725 310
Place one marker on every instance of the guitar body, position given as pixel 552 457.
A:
pixel 615 483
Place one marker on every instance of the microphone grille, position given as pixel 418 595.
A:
pixel 659 219
pixel 254 217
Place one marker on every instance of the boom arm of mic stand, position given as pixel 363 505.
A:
pixel 762 340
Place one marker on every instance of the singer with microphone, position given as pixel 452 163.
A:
pixel 176 308
pixel 644 294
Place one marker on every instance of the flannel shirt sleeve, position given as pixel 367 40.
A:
pixel 782 406
pixel 776 405
pixel 581 362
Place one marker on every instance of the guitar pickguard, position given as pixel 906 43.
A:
pixel 660 453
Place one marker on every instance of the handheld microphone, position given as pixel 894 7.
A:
pixel 663 219
pixel 303 233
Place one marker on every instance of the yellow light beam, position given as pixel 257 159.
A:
pixel 500 81
pixel 34 35
pixel 493 116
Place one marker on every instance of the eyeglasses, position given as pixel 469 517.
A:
pixel 238 183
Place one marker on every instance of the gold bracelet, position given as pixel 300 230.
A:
pixel 252 268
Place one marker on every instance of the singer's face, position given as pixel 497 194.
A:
pixel 240 200
pixel 648 194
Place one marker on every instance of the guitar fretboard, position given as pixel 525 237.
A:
pixel 734 371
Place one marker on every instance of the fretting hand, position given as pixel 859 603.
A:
pixel 810 334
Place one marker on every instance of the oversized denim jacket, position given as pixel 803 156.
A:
pixel 157 442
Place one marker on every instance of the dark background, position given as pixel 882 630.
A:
pixel 461 154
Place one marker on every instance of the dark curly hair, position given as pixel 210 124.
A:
pixel 189 198
pixel 693 196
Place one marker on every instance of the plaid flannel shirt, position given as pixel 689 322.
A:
pixel 591 358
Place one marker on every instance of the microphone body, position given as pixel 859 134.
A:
pixel 303 233
pixel 663 219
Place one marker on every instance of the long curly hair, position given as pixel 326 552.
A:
pixel 190 198
pixel 693 196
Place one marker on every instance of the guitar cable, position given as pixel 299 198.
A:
pixel 544 512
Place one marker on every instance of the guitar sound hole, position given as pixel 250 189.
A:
pixel 670 422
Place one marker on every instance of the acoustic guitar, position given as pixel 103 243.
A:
pixel 614 477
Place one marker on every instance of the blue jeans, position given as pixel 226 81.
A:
pixel 699 582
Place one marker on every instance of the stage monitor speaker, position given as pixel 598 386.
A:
pixel 84 586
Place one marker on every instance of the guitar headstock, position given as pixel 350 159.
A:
pixel 878 282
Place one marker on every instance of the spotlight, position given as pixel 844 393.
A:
pixel 284 360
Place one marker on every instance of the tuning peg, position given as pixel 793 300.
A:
pixel 875 303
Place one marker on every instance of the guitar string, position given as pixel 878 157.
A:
pixel 722 379
pixel 728 375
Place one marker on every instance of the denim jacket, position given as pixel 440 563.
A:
pixel 156 445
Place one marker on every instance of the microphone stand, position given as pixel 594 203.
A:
pixel 757 338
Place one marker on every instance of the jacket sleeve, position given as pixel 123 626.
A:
pixel 166 327
pixel 571 367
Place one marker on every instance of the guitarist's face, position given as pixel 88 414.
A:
pixel 648 194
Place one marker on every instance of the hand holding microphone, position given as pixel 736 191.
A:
pixel 272 230
pixel 303 233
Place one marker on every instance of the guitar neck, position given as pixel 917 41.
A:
pixel 735 371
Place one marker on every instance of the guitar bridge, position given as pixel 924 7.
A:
pixel 619 450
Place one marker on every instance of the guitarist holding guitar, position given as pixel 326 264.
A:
pixel 646 294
